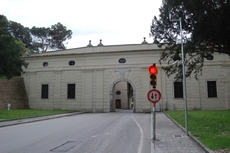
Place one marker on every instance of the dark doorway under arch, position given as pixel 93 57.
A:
pixel 122 96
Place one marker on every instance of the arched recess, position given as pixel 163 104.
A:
pixel 112 108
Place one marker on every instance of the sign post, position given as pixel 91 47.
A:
pixel 154 96
pixel 154 121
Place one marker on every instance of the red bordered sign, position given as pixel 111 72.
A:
pixel 154 96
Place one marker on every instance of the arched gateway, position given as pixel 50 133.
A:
pixel 90 78
pixel 131 92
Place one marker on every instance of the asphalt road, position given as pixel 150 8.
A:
pixel 117 132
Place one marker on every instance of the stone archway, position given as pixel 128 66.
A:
pixel 127 74
pixel 112 107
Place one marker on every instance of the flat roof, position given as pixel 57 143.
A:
pixel 98 49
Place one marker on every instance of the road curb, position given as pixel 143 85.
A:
pixel 207 150
pixel 6 123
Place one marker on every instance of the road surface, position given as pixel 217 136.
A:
pixel 116 132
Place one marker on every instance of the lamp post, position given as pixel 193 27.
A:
pixel 184 78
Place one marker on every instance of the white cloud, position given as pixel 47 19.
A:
pixel 115 22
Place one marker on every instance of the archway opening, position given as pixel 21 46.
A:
pixel 122 96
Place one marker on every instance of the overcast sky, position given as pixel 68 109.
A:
pixel 114 21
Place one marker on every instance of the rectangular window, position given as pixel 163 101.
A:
pixel 71 91
pixel 45 91
pixel 178 90
pixel 211 85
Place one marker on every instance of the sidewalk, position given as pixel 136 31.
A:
pixel 170 138
pixel 35 119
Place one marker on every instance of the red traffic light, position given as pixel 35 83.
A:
pixel 152 69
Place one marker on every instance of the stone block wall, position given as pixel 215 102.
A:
pixel 13 91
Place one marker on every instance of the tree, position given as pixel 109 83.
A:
pixel 59 35
pixel 15 40
pixel 205 29
pixel 41 38
pixel 53 38
pixel 10 51
pixel 21 33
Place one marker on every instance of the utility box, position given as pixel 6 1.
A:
pixel 171 107
pixel 158 107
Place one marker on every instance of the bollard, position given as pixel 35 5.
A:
pixel 8 106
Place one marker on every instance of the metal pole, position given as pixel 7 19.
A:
pixel 154 122
pixel 184 79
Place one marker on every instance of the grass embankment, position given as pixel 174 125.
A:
pixel 212 128
pixel 25 113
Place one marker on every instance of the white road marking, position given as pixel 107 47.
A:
pixel 141 138
pixel 94 136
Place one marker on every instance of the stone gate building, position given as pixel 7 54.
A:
pixel 105 78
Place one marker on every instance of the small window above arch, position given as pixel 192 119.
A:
pixel 122 60
pixel 45 64
pixel 71 63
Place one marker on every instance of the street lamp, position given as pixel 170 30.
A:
pixel 184 78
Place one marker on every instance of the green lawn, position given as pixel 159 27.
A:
pixel 24 113
pixel 212 128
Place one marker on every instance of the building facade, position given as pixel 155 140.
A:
pixel 105 78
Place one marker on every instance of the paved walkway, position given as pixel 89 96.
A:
pixel 170 138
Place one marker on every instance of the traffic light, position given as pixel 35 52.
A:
pixel 153 71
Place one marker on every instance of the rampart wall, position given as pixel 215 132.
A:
pixel 13 91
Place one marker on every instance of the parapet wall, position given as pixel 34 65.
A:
pixel 13 91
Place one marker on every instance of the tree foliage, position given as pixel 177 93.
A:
pixel 21 33
pixel 10 50
pixel 15 40
pixel 59 34
pixel 205 31
pixel 50 38
pixel 41 39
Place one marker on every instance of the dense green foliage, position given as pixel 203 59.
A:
pixel 16 40
pixel 19 32
pixel 25 113
pixel 40 39
pixel 10 51
pixel 50 38
pixel 205 27
pixel 212 128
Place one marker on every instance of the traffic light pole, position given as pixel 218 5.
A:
pixel 153 95
pixel 154 121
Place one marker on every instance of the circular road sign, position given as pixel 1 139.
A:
pixel 154 96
